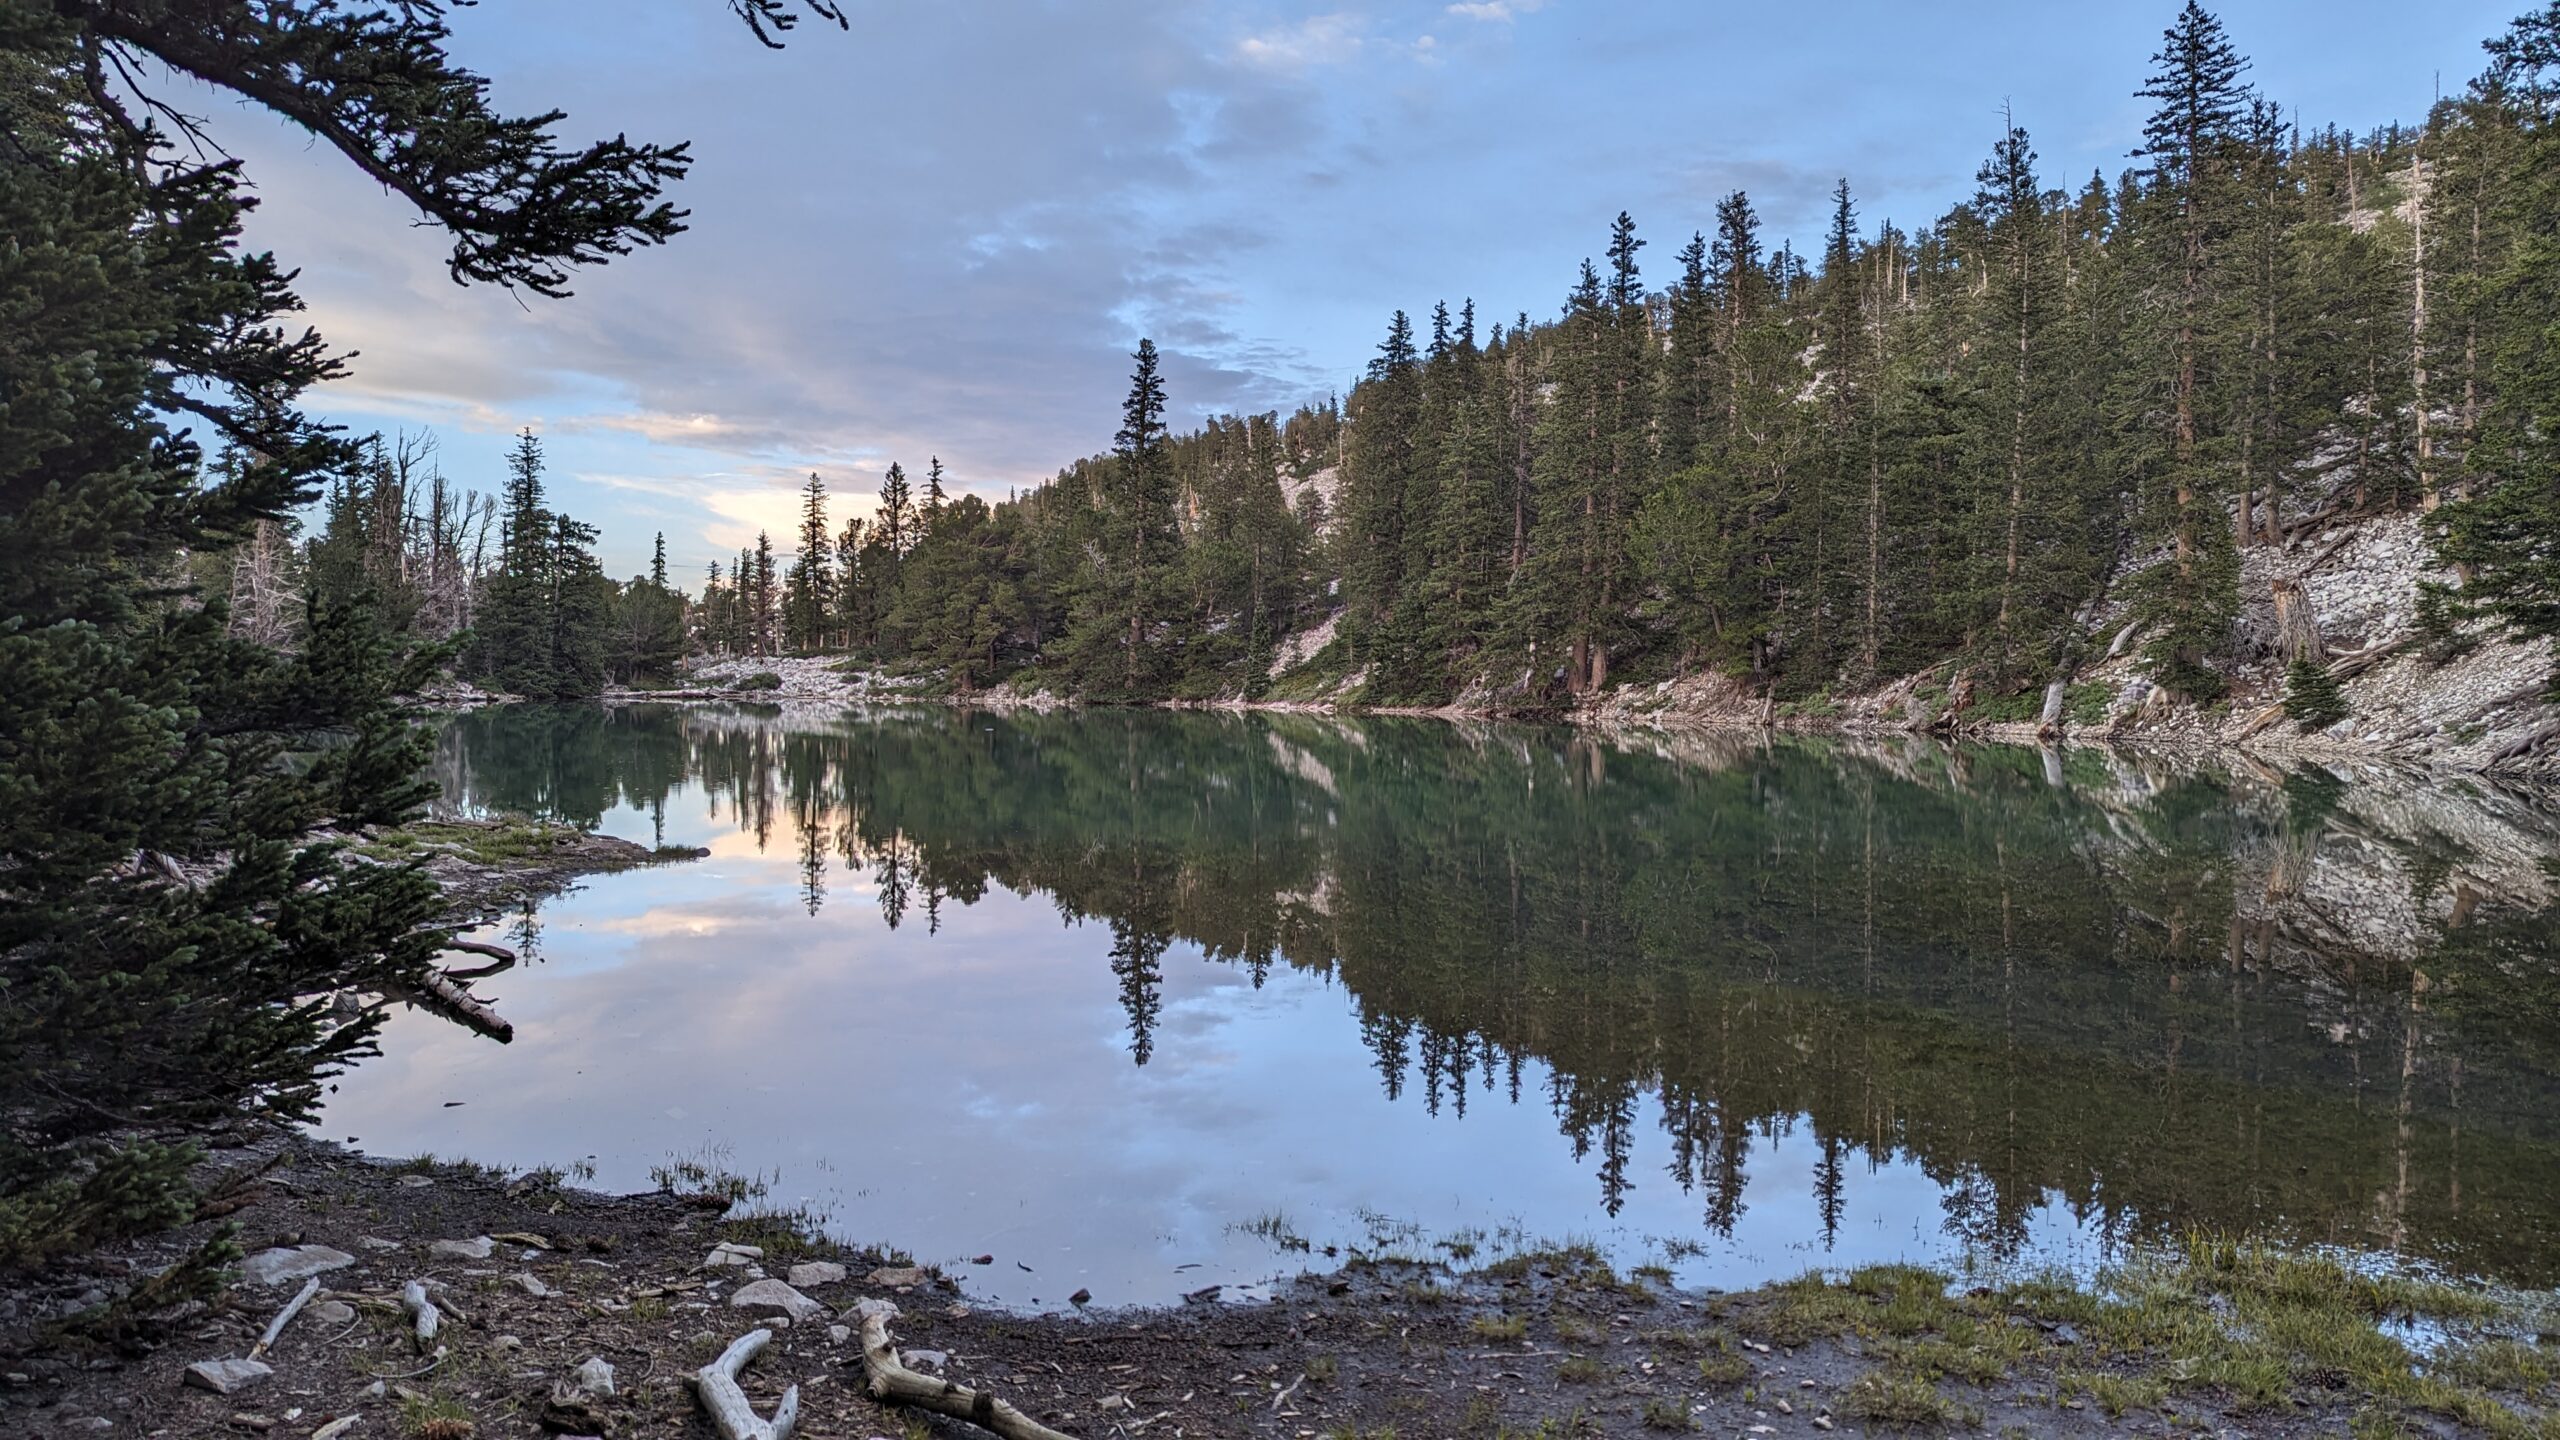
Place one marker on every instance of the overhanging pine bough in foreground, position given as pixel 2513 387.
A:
pixel 171 902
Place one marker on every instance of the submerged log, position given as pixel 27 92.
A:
pixel 893 1383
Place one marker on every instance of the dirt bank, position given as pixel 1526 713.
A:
pixel 534 1279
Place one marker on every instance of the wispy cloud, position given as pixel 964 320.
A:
pixel 1498 11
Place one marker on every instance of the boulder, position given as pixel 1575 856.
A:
pixel 773 1297
pixel 287 1264
pixel 816 1272
pixel 223 1377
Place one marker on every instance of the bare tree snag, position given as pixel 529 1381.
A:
pixel 2049 719
pixel 716 1386
pixel 2297 629
pixel 893 1383
pixel 423 1318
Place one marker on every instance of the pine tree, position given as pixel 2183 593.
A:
pixel 2188 208
pixel 512 649
pixel 809 600
pixel 142 740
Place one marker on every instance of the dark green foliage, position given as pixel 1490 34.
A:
pixel 171 921
pixel 2313 698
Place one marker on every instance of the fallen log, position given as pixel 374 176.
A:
pixel 438 992
pixel 716 1386
pixel 285 1316
pixel 893 1383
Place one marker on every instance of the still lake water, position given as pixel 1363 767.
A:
pixel 1135 1000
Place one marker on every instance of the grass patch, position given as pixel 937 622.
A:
pixel 2114 1394
pixel 1892 1397
pixel 1581 1370
pixel 1500 1327
pixel 1667 1415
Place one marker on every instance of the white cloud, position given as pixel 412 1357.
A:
pixel 1496 11
pixel 1335 39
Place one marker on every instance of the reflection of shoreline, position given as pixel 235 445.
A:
pixel 1765 932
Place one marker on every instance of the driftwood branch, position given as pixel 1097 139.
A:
pixel 423 1318
pixel 894 1383
pixel 285 1316
pixel 500 958
pixel 716 1386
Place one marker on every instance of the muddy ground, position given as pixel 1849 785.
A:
pixel 547 1277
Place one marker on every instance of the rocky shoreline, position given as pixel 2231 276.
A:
pixel 565 1312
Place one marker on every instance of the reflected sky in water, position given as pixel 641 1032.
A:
pixel 1156 977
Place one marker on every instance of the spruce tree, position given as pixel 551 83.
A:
pixel 809 601
pixel 2188 212
pixel 175 888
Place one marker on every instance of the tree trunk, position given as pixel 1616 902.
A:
pixel 2297 629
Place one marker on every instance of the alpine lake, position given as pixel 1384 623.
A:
pixel 1140 1002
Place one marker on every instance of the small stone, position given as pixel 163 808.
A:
pixel 477 1247
pixel 509 1342
pixel 923 1359
pixel 289 1263
pixel 867 1309
pixel 225 1376
pixel 1081 1296
pixel 595 1376
pixel 839 1334
pixel 332 1312
pixel 377 1390
pixel 816 1272
pixel 531 1284
pixel 982 1259
pixel 955 1312
pixel 415 1182
pixel 243 1420
pixel 899 1277
pixel 725 1253
pixel 773 1297
pixel 375 1242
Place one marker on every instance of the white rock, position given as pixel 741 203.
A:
pixel 531 1284
pixel 865 1309
pixel 595 1376
pixel 839 1334
pixel 478 1247
pixel 923 1359
pixel 293 1262
pixel 332 1312
pixel 222 1377
pixel 773 1297
pixel 725 1253
pixel 816 1272
pixel 371 1242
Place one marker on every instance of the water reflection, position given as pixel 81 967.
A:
pixel 1792 1003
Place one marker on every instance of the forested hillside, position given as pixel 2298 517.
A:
pixel 1987 447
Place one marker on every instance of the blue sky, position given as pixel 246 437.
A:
pixel 943 232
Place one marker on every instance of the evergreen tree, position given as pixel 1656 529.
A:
pixel 2188 211
pixel 809 598
pixel 169 901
